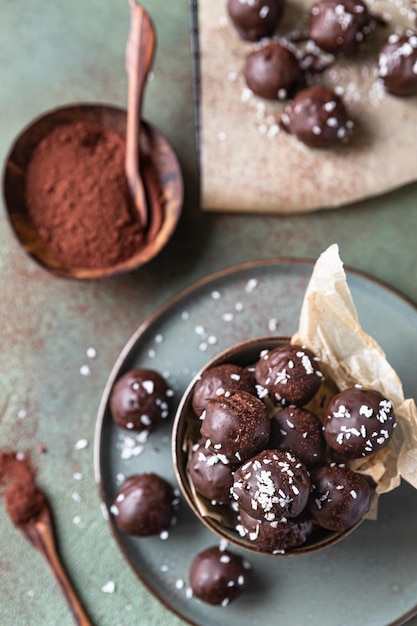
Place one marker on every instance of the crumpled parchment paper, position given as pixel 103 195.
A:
pixel 330 327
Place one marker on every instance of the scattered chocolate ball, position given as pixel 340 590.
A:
pixel 397 64
pixel 255 19
pixel 358 422
pixel 218 576
pixel 290 374
pixel 236 426
pixel 211 473
pixel 139 400
pixel 340 497
pixel 317 116
pixel 272 485
pixel 299 431
pixel 218 380
pixel 338 26
pixel 273 72
pixel 278 536
pixel 144 505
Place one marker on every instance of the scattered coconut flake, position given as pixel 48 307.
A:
pixel 85 370
pixel 109 587
pixel 81 444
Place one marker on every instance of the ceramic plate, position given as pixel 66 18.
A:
pixel 371 577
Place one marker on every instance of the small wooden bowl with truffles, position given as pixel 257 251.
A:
pixel 262 442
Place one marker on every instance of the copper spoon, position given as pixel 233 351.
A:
pixel 40 533
pixel 140 50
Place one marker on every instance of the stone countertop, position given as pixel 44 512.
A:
pixel 57 53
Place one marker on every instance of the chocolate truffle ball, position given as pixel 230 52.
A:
pixel 139 400
pixel 237 426
pixel 300 432
pixel 144 505
pixel 340 497
pixel 255 19
pixel 358 422
pixel 338 26
pixel 218 576
pixel 397 64
pixel 318 117
pixel 273 72
pixel 219 379
pixel 272 485
pixel 276 537
pixel 211 473
pixel 290 374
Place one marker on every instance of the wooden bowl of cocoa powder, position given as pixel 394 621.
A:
pixel 67 197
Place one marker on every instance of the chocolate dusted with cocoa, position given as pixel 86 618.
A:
pixel 220 379
pixel 339 26
pixel 272 485
pixel 397 64
pixel 299 431
pixel 273 71
pixel 290 374
pixel 144 505
pixel 318 117
pixel 358 422
pixel 218 576
pixel 211 473
pixel 340 497
pixel 140 399
pixel 236 426
pixel 255 19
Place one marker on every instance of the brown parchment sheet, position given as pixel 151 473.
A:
pixel 330 327
pixel 249 164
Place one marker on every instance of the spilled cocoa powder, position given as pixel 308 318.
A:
pixel 78 198
pixel 24 501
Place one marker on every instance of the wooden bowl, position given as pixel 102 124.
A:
pixel 186 430
pixel 165 163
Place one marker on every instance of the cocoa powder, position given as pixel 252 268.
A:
pixel 24 501
pixel 78 198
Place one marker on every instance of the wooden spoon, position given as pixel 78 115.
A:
pixel 140 50
pixel 40 533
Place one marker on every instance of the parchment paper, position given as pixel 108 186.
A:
pixel 330 327
pixel 247 164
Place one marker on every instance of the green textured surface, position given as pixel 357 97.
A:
pixel 55 53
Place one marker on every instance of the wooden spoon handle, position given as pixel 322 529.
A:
pixel 42 538
pixel 140 49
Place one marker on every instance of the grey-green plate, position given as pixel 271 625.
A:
pixel 369 579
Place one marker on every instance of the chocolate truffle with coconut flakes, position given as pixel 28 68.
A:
pixel 339 26
pixel 144 505
pixel 275 537
pixel 358 422
pixel 210 473
pixel 236 426
pixel 140 399
pixel 273 72
pixel 218 380
pixel 397 64
pixel 340 497
pixel 272 485
pixel 289 373
pixel 318 117
pixel 255 19
pixel 218 576
pixel 299 431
